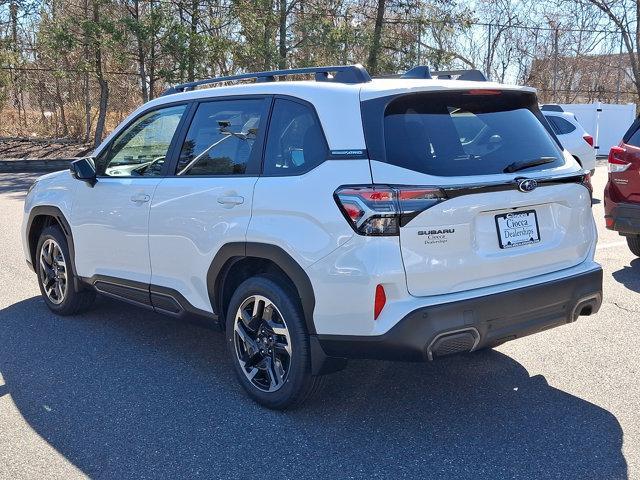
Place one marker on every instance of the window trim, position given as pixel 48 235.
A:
pixel 314 112
pixel 253 167
pixel 170 152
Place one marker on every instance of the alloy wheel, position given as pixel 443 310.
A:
pixel 53 271
pixel 262 343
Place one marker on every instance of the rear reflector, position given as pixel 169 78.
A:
pixel 588 138
pixel 616 163
pixel 609 222
pixel 380 301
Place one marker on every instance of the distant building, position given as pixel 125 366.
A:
pixel 583 79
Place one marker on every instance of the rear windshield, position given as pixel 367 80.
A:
pixel 468 133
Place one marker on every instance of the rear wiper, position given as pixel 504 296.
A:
pixel 521 165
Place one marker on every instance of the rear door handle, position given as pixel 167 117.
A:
pixel 231 200
pixel 140 198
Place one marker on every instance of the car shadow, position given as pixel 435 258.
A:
pixel 629 275
pixel 126 393
pixel 16 184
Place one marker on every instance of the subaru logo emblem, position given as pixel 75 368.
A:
pixel 527 184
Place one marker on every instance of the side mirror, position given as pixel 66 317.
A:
pixel 84 169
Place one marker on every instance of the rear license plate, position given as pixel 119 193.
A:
pixel 517 228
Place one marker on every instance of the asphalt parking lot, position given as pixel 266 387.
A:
pixel 123 393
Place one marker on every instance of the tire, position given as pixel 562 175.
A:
pixel 634 244
pixel 257 345
pixel 66 298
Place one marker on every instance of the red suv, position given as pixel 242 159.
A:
pixel 622 193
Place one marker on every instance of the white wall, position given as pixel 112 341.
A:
pixel 606 122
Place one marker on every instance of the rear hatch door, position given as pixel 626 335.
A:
pixel 513 203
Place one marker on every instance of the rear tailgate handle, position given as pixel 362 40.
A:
pixel 231 200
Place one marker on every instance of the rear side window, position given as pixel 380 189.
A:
pixel 295 143
pixel 632 137
pixel 222 137
pixel 560 125
pixel 466 133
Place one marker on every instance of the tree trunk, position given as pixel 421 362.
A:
pixel 142 71
pixel 191 65
pixel 282 36
pixel 63 117
pixel 87 92
pixel 152 53
pixel 104 87
pixel 374 51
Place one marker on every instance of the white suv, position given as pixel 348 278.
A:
pixel 573 137
pixel 343 217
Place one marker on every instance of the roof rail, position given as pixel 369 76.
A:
pixel 421 71
pixel 338 73
pixel 551 107
pixel 473 75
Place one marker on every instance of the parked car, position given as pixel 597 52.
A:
pixel 318 221
pixel 573 137
pixel 622 192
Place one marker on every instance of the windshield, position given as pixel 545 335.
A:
pixel 475 132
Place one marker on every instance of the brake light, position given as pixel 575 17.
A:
pixel 379 301
pixel 588 138
pixel 381 209
pixel 483 92
pixel 617 164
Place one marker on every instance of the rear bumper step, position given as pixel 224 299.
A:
pixel 468 325
pixel 625 218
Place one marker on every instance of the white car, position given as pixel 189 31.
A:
pixel 573 137
pixel 317 221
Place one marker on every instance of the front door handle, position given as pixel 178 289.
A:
pixel 231 200
pixel 140 198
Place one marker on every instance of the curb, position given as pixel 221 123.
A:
pixel 34 164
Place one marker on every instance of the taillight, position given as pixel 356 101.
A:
pixel 616 164
pixel 588 138
pixel 381 209
pixel 586 181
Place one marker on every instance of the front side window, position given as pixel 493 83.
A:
pixel 222 137
pixel 141 149
pixel 295 143
pixel 467 133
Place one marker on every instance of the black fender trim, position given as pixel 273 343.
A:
pixel 55 212
pixel 232 252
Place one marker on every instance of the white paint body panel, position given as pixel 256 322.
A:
pixel 299 213
pixel 471 256
pixel 54 189
pixel 188 226
pixel 110 230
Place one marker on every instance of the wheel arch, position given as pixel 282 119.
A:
pixel 42 216
pixel 262 258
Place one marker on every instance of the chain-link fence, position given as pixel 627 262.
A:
pixel 566 65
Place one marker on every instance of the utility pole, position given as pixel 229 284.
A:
pixel 555 65
pixel 619 70
pixel 487 67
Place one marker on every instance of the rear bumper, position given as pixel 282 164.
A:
pixel 623 218
pixel 475 323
